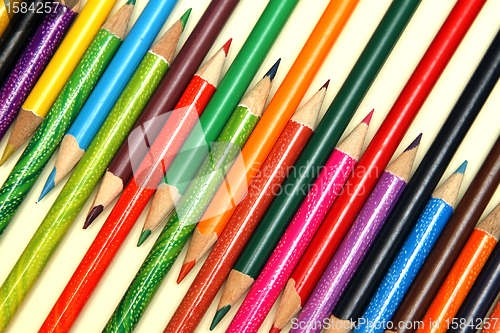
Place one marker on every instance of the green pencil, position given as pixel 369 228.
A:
pixel 62 113
pixel 191 207
pixel 87 173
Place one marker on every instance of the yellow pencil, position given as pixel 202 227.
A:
pixel 5 15
pixel 57 72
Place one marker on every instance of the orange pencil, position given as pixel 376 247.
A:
pixel 463 275
pixel 280 109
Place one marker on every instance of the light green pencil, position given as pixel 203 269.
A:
pixel 87 173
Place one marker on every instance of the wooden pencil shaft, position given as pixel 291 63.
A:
pixel 419 190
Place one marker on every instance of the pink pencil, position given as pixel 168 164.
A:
pixel 299 233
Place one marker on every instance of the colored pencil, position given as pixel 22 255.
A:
pixel 58 71
pixel 296 238
pixel 71 99
pixel 412 254
pixel 412 202
pixel 304 121
pixel 388 137
pixel 118 225
pixel 83 180
pixel 352 250
pixel 187 112
pixel 462 275
pixel 111 84
pixel 281 108
pixel 491 324
pixel 170 90
pixel 246 217
pixel 17 36
pixel 32 62
pixel 481 297
pixel 190 208
pixel 281 211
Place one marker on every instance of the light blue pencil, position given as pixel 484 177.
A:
pixel 109 88
pixel 411 257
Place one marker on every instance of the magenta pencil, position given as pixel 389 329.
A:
pixel 359 238
pixel 33 61
pixel 299 233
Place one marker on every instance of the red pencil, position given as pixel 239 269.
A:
pixel 386 140
pixel 122 217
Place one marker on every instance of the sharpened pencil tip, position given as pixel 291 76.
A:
pixel 131 2
pixel 368 117
pixel 219 315
pixel 185 17
pixel 227 45
pixel 462 167
pixel 94 213
pixel 274 329
pixel 144 235
pixel 415 143
pixel 9 150
pixel 185 270
pixel 272 72
pixel 325 86
pixel 49 184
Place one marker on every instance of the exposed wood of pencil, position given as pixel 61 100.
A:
pixel 339 325
pixel 402 166
pixel 69 154
pixel 290 304
pixel 164 201
pixel 353 144
pixel 118 23
pixel 75 5
pixel 26 122
pixel 236 285
pixel 257 97
pixel 448 192
pixel 168 43
pixel 491 223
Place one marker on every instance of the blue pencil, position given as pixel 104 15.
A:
pixel 109 88
pixel 411 257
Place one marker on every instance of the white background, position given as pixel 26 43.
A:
pixel 410 48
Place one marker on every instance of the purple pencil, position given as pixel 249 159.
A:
pixel 357 242
pixel 33 61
